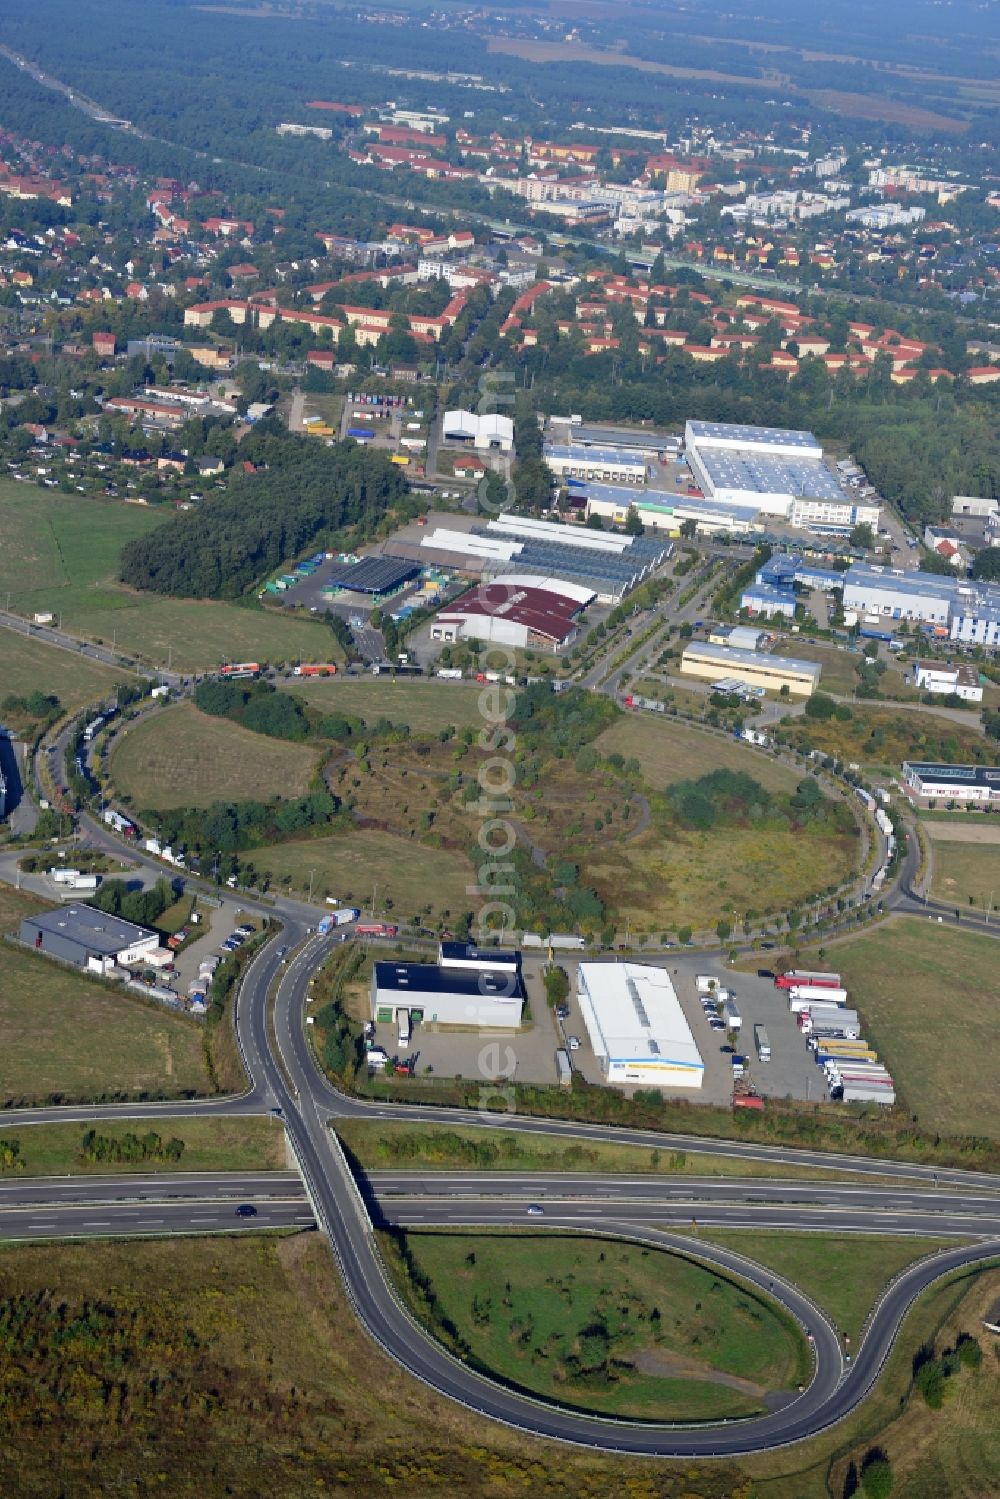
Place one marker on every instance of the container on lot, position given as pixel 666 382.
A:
pixel 818 994
pixel 762 1043
pixel 564 1069
pixel 858 1093
pixel 798 976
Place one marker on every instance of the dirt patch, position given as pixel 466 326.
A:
pixel 664 1365
pixel 961 832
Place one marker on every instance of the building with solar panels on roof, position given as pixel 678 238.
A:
pixel 779 470
pixel 467 986
pixel 376 576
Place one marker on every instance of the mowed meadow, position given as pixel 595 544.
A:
pixel 60 555
pixel 182 757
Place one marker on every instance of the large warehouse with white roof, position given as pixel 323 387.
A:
pixel 780 472
pixel 636 1026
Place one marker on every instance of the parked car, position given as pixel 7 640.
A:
pixel 574 1043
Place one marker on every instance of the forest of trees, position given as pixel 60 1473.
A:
pixel 233 539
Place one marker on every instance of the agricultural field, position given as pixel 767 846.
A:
pixel 669 751
pixel 66 1037
pixel 408 877
pixel 425 706
pixel 184 758
pixel 607 1326
pixel 29 665
pixel 927 995
pixel 966 872
pixel 215 1144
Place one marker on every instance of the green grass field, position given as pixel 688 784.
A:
pixel 967 874
pixel 608 1326
pixel 29 665
pixel 184 758
pixel 60 551
pixel 842 1275
pixel 64 1036
pixel 926 994
pixel 216 1144
pixel 425 706
pixel 350 866
pixel 197 634
pixel 669 751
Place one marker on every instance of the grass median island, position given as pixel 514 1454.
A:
pixel 927 995
pixel 237 1365
pixel 388 1146
pixel 599 1324
pixel 185 758
pixel 842 1273
pixel 209 1144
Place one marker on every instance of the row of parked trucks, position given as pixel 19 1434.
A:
pixel 832 1032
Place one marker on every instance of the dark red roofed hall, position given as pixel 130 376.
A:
pixel 510 612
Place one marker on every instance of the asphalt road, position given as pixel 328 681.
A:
pixel 284 1076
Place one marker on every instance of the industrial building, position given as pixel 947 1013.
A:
pixel 740 637
pixel 780 472
pixel 926 782
pixel 486 432
pixel 752 668
pixel 372 575
pixel 965 610
pixel 467 986
pixel 609 566
pixel 764 598
pixel 949 679
pixel 612 465
pixel 661 510
pixel 636 1026
pixel 773 590
pixel 648 444
pixel 517 610
pixel 90 938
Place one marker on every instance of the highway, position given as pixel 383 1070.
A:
pixel 666 1212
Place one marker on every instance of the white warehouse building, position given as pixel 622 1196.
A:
pixel 636 1026
pixel 778 471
